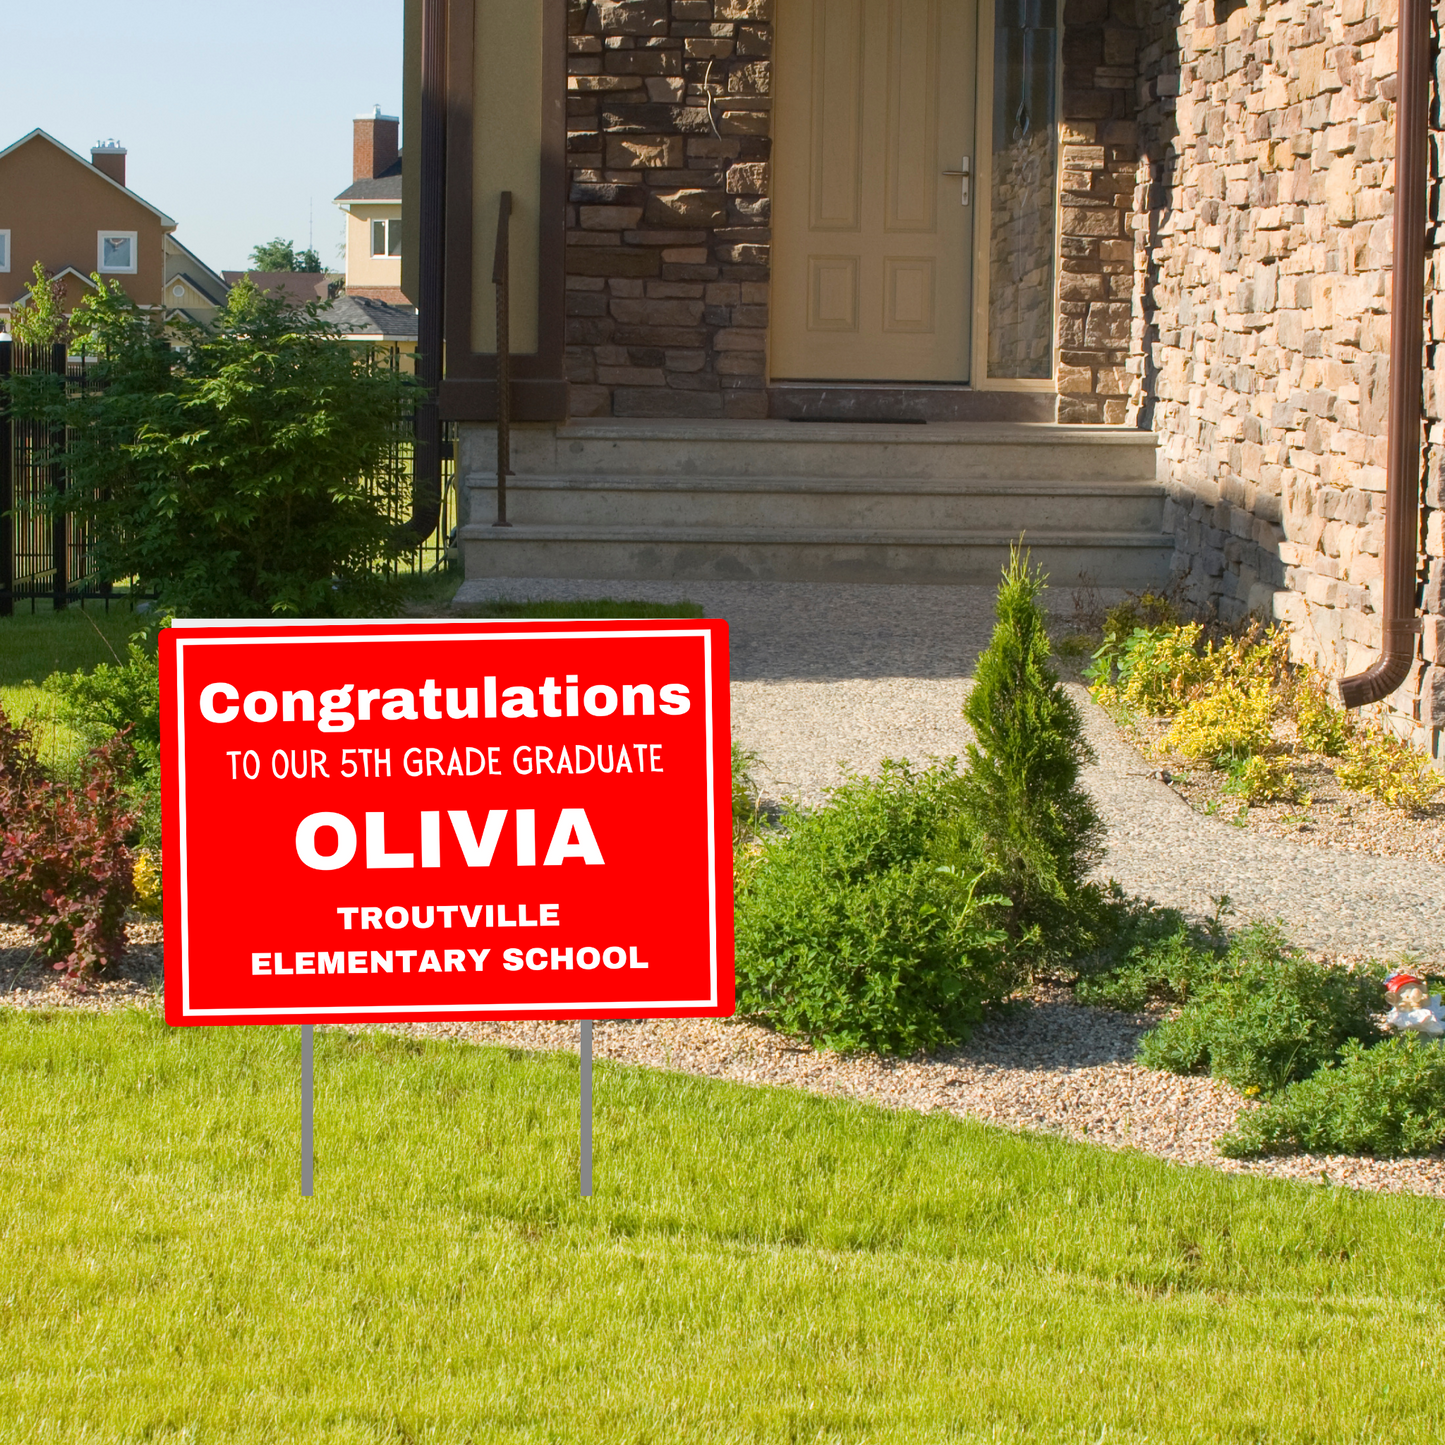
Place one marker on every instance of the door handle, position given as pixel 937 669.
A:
pixel 963 175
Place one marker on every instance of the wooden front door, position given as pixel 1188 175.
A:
pixel 872 239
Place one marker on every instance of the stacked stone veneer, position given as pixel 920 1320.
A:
pixel 1099 134
pixel 1263 236
pixel 668 125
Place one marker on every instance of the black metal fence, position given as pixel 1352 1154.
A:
pixel 45 554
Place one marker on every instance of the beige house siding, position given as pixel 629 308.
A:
pixel 365 272
pixel 55 205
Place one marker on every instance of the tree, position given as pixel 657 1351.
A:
pixel 237 475
pixel 281 255
pixel 40 321
pixel 1026 817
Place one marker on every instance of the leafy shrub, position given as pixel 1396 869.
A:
pixel 1154 669
pixel 1265 1016
pixel 1148 609
pixel 1322 727
pixel 849 932
pixel 1027 824
pixel 1151 953
pixel 122 697
pixel 745 793
pixel 65 872
pixel 147 885
pixel 1261 779
pixel 1388 1100
pixel 240 474
pixel 1223 725
pixel 1390 770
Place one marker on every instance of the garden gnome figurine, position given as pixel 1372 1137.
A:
pixel 1412 1010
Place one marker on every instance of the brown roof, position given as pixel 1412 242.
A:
pixel 297 286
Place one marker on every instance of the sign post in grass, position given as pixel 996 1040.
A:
pixel 446 821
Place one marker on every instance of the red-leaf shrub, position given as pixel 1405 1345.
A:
pixel 65 872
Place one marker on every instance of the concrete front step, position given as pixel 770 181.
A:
pixel 806 554
pixel 980 451
pixel 832 503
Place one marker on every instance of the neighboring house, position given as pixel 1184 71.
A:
pixel 365 320
pixel 1129 263
pixel 77 217
pixel 298 287
pixel 192 290
pixel 372 203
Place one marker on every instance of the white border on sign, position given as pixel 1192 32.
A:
pixel 582 1007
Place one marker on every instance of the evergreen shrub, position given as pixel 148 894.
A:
pixel 849 931
pixel 1025 820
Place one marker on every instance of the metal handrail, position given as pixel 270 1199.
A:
pixel 501 279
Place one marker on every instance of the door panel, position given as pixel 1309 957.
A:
pixel 874 100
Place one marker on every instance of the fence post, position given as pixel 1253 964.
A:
pixel 59 519
pixel 7 484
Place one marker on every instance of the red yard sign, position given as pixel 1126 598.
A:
pixel 417 821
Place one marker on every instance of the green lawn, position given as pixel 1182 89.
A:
pixel 757 1265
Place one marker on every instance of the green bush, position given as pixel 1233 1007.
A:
pixel 113 698
pixel 1264 1016
pixel 850 933
pixel 240 474
pixel 745 793
pixel 1025 820
pixel 1147 954
pixel 1388 1101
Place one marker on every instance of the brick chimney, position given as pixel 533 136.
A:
pixel 373 144
pixel 109 156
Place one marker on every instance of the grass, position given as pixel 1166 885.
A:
pixel 757 1265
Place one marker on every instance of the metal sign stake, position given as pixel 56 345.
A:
pixel 586 1108
pixel 306 1110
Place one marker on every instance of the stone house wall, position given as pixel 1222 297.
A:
pixel 668 138
pixel 1099 137
pixel 1262 238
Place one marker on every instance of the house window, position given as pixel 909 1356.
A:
pixel 1024 185
pixel 386 237
pixel 117 252
pixel 4 250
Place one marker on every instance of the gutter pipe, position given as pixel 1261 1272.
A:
pixel 1399 625
pixel 427 453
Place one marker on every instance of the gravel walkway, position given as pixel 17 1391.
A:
pixel 834 676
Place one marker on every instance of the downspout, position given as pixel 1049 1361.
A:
pixel 427 455
pixel 1398 624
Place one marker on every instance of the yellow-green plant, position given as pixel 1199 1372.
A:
pixel 1223 725
pixel 1263 779
pixel 147 883
pixel 1322 727
pixel 1388 769
pixel 1259 656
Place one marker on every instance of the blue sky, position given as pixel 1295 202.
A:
pixel 237 117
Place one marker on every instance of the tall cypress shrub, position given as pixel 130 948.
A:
pixel 1026 817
